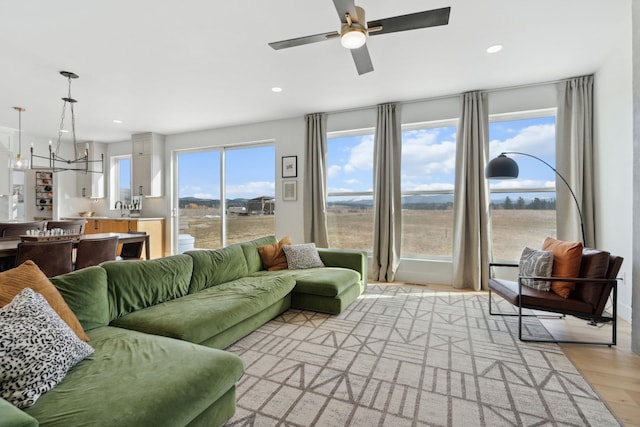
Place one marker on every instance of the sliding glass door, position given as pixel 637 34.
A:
pixel 224 196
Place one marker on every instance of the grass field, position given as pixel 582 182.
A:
pixel 424 232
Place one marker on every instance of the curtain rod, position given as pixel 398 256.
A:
pixel 437 98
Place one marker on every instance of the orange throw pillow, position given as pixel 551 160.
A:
pixel 566 263
pixel 273 257
pixel 28 275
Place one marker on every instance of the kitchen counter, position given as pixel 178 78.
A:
pixel 116 218
pixel 153 226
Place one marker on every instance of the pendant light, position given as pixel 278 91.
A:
pixel 18 163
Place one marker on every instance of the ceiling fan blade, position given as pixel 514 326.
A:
pixel 362 60
pixel 283 44
pixel 412 21
pixel 346 6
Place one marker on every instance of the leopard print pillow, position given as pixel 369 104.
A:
pixel 37 348
pixel 302 256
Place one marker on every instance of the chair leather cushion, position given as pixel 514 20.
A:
pixel 594 265
pixel 566 263
pixel 533 298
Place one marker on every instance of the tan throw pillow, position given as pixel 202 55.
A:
pixel 566 263
pixel 28 275
pixel 272 256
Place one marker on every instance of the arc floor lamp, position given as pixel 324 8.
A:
pixel 503 167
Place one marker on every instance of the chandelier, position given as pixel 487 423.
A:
pixel 81 161
pixel 19 163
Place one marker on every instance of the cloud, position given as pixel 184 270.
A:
pixel 251 189
pixel 334 170
pixel 538 140
pixel 361 156
pixel 518 184
pixel 427 152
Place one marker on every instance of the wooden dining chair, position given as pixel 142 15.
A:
pixel 13 229
pixel 76 226
pixel 94 251
pixel 53 258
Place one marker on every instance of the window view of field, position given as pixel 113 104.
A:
pixel 426 233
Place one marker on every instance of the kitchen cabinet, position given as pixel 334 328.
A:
pixel 91 184
pixel 146 164
pixel 154 227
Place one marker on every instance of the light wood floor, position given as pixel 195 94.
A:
pixel 613 372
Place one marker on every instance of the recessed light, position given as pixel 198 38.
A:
pixel 117 121
pixel 64 131
pixel 494 48
pixel 276 89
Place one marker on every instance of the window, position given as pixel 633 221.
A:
pixel 226 195
pixel 350 189
pixel 121 179
pixel 427 184
pixel 523 210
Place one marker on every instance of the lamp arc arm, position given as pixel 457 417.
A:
pixel 575 199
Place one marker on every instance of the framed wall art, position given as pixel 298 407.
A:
pixel 290 166
pixel 290 190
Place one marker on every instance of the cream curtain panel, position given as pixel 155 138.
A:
pixel 386 193
pixel 471 229
pixel 315 180
pixel 574 158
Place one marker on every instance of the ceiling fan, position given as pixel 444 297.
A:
pixel 354 30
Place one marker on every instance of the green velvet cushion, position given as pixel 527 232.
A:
pixel 324 281
pixel 136 379
pixel 250 249
pixel 133 285
pixel 85 292
pixel 10 416
pixel 213 267
pixel 347 258
pixel 200 316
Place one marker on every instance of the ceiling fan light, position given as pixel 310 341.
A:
pixel 353 38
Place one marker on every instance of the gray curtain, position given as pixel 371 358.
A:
pixel 315 180
pixel 574 159
pixel 386 193
pixel 471 229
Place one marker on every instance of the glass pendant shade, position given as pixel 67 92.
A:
pixel 18 162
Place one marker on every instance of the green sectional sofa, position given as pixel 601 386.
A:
pixel 158 328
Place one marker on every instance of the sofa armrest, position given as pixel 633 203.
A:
pixel 10 416
pixel 346 258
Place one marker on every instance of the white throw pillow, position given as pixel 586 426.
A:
pixel 302 256
pixel 37 348
pixel 536 263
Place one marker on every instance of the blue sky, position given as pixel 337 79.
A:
pixel 250 172
pixel 428 161
pixel 428 156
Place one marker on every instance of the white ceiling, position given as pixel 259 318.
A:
pixel 177 66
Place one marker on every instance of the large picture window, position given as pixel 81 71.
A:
pixel 350 190
pixel 427 183
pixel 523 210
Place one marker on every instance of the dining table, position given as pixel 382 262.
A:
pixel 9 246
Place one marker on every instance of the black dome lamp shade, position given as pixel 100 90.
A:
pixel 502 167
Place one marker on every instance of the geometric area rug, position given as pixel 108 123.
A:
pixel 405 356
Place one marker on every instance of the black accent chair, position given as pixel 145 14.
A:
pixel 596 282
pixel 132 251
pixel 94 251
pixel 52 257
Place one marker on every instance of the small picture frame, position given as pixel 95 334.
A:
pixel 290 166
pixel 290 190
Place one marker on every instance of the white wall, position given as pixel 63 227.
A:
pixel 613 156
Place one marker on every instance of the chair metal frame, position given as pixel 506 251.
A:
pixel 594 318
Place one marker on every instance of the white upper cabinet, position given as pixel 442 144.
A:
pixel 146 164
pixel 5 162
pixel 92 184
